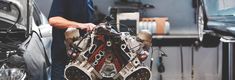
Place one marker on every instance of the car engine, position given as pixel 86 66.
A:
pixel 104 54
pixel 12 65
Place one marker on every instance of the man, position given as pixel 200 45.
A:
pixel 65 14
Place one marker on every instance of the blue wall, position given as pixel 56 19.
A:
pixel 180 13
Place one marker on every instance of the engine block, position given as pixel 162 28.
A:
pixel 106 54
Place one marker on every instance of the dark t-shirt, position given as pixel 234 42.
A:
pixel 75 10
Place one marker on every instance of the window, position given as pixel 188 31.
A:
pixel 220 7
pixel 36 16
pixel 226 4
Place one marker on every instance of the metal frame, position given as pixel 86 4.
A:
pixel 230 41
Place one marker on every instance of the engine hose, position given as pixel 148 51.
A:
pixel 18 17
pixel 88 33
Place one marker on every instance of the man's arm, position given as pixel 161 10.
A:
pixel 63 23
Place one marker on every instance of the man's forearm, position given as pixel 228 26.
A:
pixel 62 23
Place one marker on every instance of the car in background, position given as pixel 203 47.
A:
pixel 25 41
pixel 221 16
pixel 216 18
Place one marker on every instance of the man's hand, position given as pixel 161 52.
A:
pixel 86 26
pixel 62 23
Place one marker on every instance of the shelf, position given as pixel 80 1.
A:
pixel 176 36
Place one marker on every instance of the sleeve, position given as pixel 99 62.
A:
pixel 58 8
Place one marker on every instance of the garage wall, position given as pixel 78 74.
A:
pixel 179 12
pixel 181 16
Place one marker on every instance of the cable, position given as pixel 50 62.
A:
pixel 160 64
pixel 182 62
pixel 88 33
pixel 18 18
pixel 151 59
pixel 192 73
pixel 44 49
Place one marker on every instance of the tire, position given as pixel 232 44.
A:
pixel 200 22
pixel 210 40
pixel 207 40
